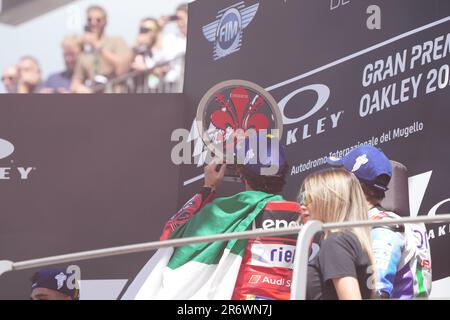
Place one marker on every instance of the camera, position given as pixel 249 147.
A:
pixel 142 50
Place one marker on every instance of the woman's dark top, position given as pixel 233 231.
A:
pixel 340 255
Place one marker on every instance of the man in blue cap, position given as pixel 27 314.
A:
pixel 257 269
pixel 52 284
pixel 402 260
pixel 264 173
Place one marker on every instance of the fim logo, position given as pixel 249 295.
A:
pixel 226 31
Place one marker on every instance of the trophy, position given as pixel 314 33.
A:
pixel 233 109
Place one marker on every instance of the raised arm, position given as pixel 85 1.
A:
pixel 213 178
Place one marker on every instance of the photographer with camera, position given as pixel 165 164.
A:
pixel 149 52
pixel 103 58
pixel 148 44
pixel 175 45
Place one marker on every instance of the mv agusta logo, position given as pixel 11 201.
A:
pixel 11 172
pixel 226 31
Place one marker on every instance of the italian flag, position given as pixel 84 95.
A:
pixel 202 271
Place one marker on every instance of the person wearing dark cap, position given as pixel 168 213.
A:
pixel 241 266
pixel 52 284
pixel 250 174
pixel 402 260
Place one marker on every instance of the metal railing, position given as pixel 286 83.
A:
pixel 145 81
pixel 306 234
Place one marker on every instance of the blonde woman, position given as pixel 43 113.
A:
pixel 342 268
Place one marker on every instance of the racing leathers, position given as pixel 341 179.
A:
pixel 266 268
pixel 402 258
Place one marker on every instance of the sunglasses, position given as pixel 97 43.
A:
pixel 98 20
pixel 144 30
pixel 304 198
pixel 7 78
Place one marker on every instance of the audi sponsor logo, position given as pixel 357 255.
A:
pixel 276 281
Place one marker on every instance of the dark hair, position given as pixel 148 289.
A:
pixel 375 195
pixel 182 7
pixel 268 184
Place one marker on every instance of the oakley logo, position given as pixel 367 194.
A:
pixel 10 172
pixel 226 31
pixel 6 149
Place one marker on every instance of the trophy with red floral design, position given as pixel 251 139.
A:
pixel 232 111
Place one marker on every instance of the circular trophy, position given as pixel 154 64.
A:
pixel 232 108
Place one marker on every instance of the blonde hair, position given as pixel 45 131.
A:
pixel 97 8
pixel 336 196
pixel 72 41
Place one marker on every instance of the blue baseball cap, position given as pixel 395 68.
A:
pixel 54 279
pixel 367 163
pixel 264 152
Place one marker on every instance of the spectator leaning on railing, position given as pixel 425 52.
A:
pixel 103 58
pixel 60 82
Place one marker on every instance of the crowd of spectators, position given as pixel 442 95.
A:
pixel 95 59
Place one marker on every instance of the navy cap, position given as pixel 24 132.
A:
pixel 367 163
pixel 265 152
pixel 54 279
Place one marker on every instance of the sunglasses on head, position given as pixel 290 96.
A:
pixel 304 198
pixel 98 20
pixel 144 30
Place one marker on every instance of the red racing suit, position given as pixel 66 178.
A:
pixel 267 264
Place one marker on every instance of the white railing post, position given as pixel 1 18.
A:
pixel 5 266
pixel 299 276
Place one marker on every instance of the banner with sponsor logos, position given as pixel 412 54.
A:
pixel 80 173
pixel 344 73
pixel 83 173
